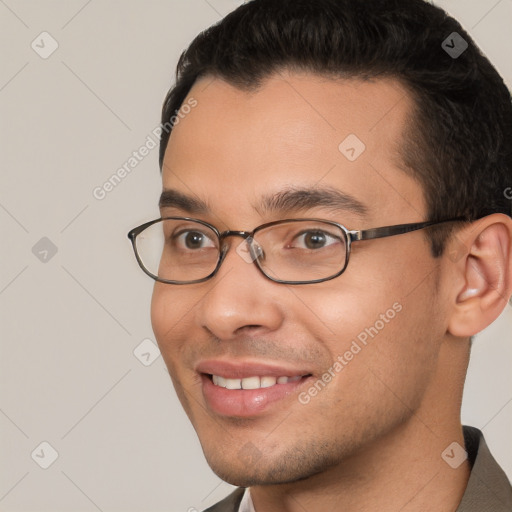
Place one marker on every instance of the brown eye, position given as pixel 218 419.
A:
pixel 314 240
pixel 193 240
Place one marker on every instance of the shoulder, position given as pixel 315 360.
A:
pixel 229 504
pixel 488 487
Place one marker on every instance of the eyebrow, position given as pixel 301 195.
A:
pixel 171 198
pixel 297 199
pixel 284 201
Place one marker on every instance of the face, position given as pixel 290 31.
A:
pixel 349 346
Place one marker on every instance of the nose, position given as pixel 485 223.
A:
pixel 240 298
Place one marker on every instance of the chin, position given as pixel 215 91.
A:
pixel 251 467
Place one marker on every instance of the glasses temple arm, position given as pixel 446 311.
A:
pixel 385 231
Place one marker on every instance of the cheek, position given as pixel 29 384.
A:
pixel 387 327
pixel 169 319
pixel 343 311
pixel 161 319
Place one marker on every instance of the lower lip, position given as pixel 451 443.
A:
pixel 243 403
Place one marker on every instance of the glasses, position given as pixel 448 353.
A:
pixel 182 250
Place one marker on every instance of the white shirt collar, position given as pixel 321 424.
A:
pixel 246 504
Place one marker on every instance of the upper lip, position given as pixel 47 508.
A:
pixel 238 369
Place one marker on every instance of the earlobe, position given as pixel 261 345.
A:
pixel 485 273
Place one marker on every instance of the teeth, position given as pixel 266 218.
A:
pixel 219 381
pixel 266 382
pixel 233 384
pixel 255 382
pixel 251 383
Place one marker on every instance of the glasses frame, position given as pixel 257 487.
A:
pixel 350 237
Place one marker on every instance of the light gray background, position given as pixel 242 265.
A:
pixel 70 323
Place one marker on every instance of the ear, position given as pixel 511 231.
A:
pixel 483 275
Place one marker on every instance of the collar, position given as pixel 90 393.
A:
pixel 246 504
pixel 488 487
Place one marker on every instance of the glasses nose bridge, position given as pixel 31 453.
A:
pixel 224 248
pixel 242 234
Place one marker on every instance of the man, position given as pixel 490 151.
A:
pixel 320 360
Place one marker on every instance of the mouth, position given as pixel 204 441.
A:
pixel 245 390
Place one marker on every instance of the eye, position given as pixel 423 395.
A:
pixel 193 240
pixel 314 239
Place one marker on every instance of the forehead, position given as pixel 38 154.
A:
pixel 293 130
